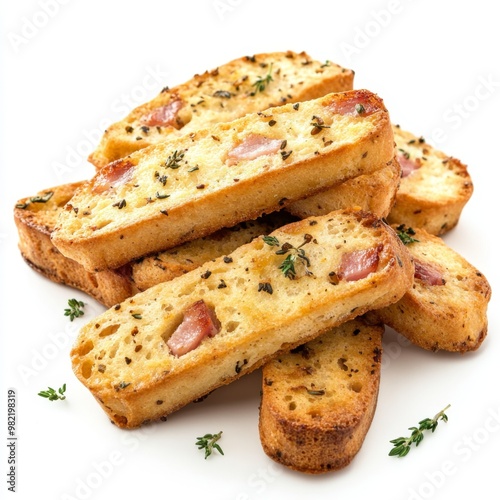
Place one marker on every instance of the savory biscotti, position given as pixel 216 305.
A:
pixel 374 193
pixel 167 265
pixel 446 308
pixel 35 218
pixel 178 341
pixel 434 187
pixel 187 187
pixel 318 400
pixel 244 85
pixel 35 221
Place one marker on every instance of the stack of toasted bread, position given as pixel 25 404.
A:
pixel 263 215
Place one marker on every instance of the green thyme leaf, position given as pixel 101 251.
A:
pixel 271 241
pixel 36 199
pixel 292 253
pixel 208 442
pixel 287 267
pixel 75 309
pixel 174 160
pixel 261 83
pixel 53 395
pixel 406 234
pixel 402 445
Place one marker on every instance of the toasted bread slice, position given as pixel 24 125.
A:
pixel 434 187
pixel 154 353
pixel 245 85
pixel 318 400
pixel 36 220
pixel 446 308
pixel 191 186
pixel 374 193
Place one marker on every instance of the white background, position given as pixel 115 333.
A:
pixel 69 68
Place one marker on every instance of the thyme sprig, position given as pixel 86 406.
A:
pixel 406 234
pixel 52 395
pixel 402 445
pixel 261 83
pixel 36 199
pixel 208 442
pixel 75 309
pixel 174 160
pixel 292 253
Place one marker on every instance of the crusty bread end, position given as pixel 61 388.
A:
pixel 318 400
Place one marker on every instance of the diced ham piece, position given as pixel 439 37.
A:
pixel 252 147
pixel 115 174
pixel 164 115
pixel 358 104
pixel 408 166
pixel 359 264
pixel 428 274
pixel 199 322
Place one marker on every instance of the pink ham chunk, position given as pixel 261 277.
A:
pixel 199 322
pixel 408 166
pixel 252 147
pixel 113 175
pixel 359 104
pixel 359 264
pixel 164 115
pixel 427 273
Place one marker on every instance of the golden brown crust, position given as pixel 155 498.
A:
pixel 35 221
pixel 450 316
pixel 372 193
pixel 224 94
pixel 167 265
pixel 256 325
pixel 318 401
pixel 100 231
pixel 434 195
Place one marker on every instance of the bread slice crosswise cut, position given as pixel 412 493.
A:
pixel 434 187
pixel 374 193
pixel 446 307
pixel 190 186
pixel 35 222
pixel 35 218
pixel 318 400
pixel 123 356
pixel 222 94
